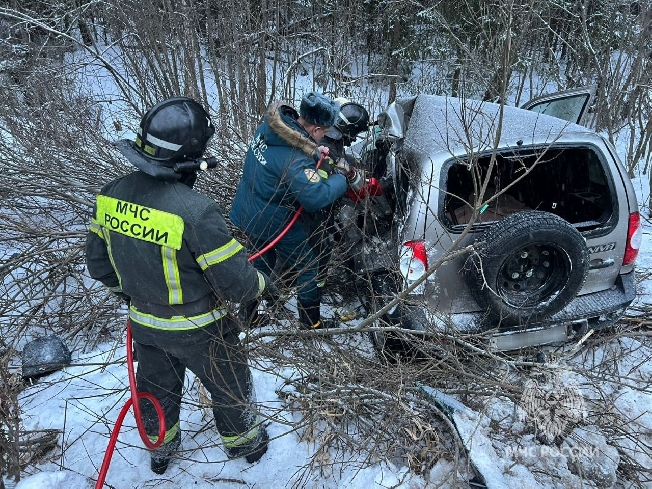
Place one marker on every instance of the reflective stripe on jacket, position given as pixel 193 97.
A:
pixel 167 246
pixel 176 323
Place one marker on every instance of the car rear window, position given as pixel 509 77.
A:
pixel 570 182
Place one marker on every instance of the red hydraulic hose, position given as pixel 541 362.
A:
pixel 272 243
pixel 133 401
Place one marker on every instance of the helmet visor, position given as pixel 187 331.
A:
pixel 136 158
pixel 334 133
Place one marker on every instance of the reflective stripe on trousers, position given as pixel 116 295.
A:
pixel 242 438
pixel 169 435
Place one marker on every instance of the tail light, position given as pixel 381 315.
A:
pixel 634 238
pixel 414 261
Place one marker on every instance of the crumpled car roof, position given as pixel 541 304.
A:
pixel 455 126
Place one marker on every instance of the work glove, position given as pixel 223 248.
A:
pixel 342 167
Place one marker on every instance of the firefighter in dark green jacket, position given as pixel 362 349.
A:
pixel 166 249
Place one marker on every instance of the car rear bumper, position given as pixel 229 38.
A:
pixel 600 307
pixel 591 311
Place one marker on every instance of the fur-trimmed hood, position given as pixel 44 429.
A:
pixel 282 120
pixel 279 175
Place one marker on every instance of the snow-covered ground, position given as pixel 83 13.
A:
pixel 83 401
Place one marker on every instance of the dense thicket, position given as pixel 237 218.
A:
pixel 238 55
pixel 77 73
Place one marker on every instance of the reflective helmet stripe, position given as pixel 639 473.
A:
pixel 159 142
pixel 150 150
pixel 343 117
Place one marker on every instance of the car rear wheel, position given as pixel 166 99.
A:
pixel 390 346
pixel 527 267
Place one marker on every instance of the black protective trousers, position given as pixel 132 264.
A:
pixel 214 354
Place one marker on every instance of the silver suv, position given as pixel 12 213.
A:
pixel 504 219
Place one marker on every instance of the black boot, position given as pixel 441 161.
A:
pixel 309 318
pixel 309 315
pixel 258 452
pixel 161 456
pixel 252 451
pixel 323 323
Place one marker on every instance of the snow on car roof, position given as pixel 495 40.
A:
pixel 455 126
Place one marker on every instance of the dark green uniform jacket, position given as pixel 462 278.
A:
pixel 167 247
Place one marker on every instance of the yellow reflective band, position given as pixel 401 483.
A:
pixel 238 440
pixel 147 149
pixel 169 434
pixel 96 228
pixel 219 255
pixel 176 323
pixel 322 173
pixel 261 283
pixel 107 240
pixel 139 222
pixel 172 276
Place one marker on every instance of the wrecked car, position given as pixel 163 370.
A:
pixel 503 219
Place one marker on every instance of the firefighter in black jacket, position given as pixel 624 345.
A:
pixel 166 249
pixel 352 120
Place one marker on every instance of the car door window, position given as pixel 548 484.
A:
pixel 568 108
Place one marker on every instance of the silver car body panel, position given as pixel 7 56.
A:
pixel 442 128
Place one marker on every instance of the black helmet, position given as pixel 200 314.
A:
pixel 177 129
pixel 352 120
pixel 44 355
